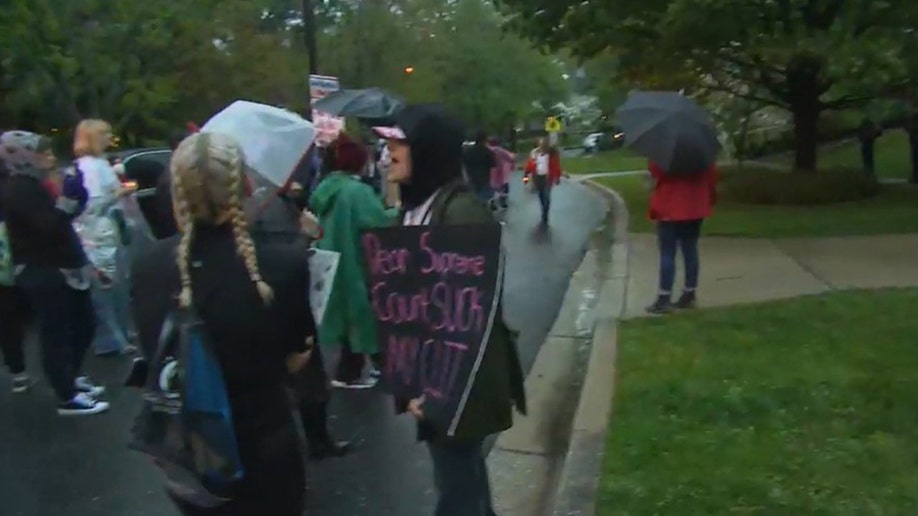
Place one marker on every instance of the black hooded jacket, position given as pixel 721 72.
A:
pixel 435 138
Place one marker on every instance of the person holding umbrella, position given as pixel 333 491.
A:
pixel 682 147
pixel 679 204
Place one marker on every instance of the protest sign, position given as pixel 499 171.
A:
pixel 435 293
pixel 322 268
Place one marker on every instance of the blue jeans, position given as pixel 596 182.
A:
pixel 544 190
pixel 461 479
pixel 112 306
pixel 683 235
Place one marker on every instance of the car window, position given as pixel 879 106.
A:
pixel 147 167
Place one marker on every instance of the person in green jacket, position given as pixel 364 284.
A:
pixel 426 160
pixel 345 206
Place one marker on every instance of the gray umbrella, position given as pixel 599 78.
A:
pixel 371 103
pixel 669 129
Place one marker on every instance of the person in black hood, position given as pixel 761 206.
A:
pixel 426 161
pixel 435 158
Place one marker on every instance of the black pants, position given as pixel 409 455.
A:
pixel 66 322
pixel 13 315
pixel 461 479
pixel 543 188
pixel 350 365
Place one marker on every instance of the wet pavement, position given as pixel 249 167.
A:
pixel 52 466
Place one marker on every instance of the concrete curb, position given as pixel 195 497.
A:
pixel 526 460
pixel 580 476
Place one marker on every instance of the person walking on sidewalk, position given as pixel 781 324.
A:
pixel 52 268
pixel 426 162
pixel 13 307
pixel 544 167
pixel 346 206
pixel 679 204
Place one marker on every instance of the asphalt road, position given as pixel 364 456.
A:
pixel 52 466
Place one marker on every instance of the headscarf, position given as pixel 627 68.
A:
pixel 435 138
pixel 22 153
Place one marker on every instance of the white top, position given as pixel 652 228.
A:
pixel 542 164
pixel 420 216
pixel 99 177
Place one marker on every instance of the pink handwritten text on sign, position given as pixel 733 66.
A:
pixel 432 291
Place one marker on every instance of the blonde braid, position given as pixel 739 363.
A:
pixel 207 175
pixel 244 245
pixel 184 219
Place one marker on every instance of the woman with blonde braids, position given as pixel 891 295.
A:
pixel 253 301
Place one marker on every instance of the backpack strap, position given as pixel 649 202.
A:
pixel 441 203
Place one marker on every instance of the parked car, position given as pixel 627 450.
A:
pixel 145 167
pixel 603 141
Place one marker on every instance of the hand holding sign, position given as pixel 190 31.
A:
pixel 434 292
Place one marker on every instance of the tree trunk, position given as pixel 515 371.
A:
pixel 806 138
pixel 804 90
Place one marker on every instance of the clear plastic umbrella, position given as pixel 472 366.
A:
pixel 274 139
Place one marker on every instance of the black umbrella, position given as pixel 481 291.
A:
pixel 371 103
pixel 669 129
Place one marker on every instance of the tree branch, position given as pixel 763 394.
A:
pixel 846 101
pixel 717 85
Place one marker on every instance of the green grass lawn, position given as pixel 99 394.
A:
pixel 894 210
pixel 891 154
pixel 800 407
pixel 610 161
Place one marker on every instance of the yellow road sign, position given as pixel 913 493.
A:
pixel 552 125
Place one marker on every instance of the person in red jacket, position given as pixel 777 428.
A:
pixel 544 168
pixel 679 204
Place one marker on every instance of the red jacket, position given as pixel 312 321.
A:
pixel 554 167
pixel 682 197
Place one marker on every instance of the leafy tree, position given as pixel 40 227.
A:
pixel 806 56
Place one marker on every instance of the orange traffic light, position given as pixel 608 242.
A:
pixel 409 70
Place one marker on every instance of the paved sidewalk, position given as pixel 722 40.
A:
pixel 747 270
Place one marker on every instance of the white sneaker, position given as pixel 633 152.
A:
pixel 363 383
pixel 84 385
pixel 22 383
pixel 82 405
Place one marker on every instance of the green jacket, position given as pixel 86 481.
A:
pixel 499 383
pixel 345 206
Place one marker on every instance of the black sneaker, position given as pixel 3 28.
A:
pixel 84 385
pixel 82 405
pixel 660 306
pixel 686 301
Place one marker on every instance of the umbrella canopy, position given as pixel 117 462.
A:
pixel 669 129
pixel 273 139
pixel 368 103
